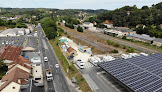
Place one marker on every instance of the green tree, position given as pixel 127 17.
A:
pixel 80 29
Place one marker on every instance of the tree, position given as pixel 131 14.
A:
pixel 80 29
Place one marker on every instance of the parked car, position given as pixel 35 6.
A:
pixel 57 65
pixel 45 59
pixel 80 63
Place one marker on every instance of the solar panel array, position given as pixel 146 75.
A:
pixel 141 73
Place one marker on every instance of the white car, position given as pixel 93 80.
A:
pixel 80 63
pixel 45 59
pixel 57 65
pixel 2 42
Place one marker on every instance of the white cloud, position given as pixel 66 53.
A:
pixel 79 4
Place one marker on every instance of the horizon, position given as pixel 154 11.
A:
pixel 72 4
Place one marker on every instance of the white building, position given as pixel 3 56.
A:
pixel 10 32
pixel 21 31
pixel 27 31
pixel 87 24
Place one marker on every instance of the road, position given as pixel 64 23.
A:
pixel 130 44
pixel 59 84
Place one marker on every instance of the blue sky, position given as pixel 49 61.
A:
pixel 76 4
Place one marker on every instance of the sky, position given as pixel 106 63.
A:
pixel 76 4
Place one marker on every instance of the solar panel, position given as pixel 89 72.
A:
pixel 141 73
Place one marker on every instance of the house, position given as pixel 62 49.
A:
pixel 18 16
pixel 87 25
pixel 33 86
pixel 143 26
pixel 21 63
pixel 157 42
pixel 71 52
pixel 108 23
pixel 12 81
pixel 10 53
pixel 10 32
pixel 143 38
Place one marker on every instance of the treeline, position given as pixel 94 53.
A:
pixel 131 16
pixel 11 24
pixel 49 27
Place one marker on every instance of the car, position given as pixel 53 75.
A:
pixel 45 59
pixel 2 42
pixel 80 63
pixel 57 65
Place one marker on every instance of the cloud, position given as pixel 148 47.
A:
pixel 76 4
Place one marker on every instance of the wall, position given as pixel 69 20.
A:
pixel 9 88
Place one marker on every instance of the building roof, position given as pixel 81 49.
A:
pixel 87 23
pixel 17 75
pixel 140 73
pixel 11 53
pixel 158 40
pixel 70 49
pixel 108 22
pixel 145 37
pixel 33 86
pixel 122 29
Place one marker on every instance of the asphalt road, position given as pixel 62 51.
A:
pixel 59 83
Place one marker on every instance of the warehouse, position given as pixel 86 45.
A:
pixel 137 74
pixel 143 38
pixel 9 32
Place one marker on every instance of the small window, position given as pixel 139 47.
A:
pixel 13 87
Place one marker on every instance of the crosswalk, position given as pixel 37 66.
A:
pixel 90 82
pixel 88 65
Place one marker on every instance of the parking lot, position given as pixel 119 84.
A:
pixel 13 41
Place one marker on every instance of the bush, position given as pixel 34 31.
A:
pixel 71 68
pixel 130 50
pixel 65 32
pixel 117 45
pixel 124 37
pixel 109 42
pixel 69 25
pixel 80 29
pixel 124 47
pixel 115 51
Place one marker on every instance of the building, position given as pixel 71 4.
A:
pixel 63 39
pixel 33 86
pixel 21 31
pixel 143 38
pixel 10 53
pixel 136 74
pixel 37 73
pixel 36 60
pixel 71 52
pixel 125 31
pixel 113 33
pixel 10 32
pixel 87 25
pixel 84 49
pixel 157 42
pixel 12 81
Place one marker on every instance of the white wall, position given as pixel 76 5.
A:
pixel 9 87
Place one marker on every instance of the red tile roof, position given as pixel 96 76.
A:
pixel 70 49
pixel 21 61
pixel 108 22
pixel 16 75
pixel 11 53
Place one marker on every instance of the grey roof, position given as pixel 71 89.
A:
pixel 123 30
pixel 158 40
pixel 33 86
pixel 143 37
pixel 87 22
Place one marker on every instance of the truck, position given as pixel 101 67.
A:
pixel 49 75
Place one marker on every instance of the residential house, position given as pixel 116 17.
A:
pixel 10 53
pixel 12 81
pixel 108 23
pixel 87 25
pixel 71 52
